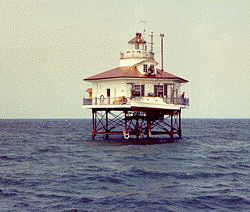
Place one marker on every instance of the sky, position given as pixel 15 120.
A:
pixel 47 48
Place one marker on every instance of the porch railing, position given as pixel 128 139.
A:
pixel 106 101
pixel 117 101
pixel 177 101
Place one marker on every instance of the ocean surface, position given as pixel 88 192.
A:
pixel 53 165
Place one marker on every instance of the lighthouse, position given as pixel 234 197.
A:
pixel 136 99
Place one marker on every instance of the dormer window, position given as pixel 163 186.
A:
pixel 149 70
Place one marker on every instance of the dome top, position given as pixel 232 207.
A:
pixel 137 39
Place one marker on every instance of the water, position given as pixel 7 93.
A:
pixel 53 165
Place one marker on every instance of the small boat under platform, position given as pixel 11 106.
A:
pixel 150 103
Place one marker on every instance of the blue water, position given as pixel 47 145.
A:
pixel 53 165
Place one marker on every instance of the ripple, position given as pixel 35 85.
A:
pixel 106 179
pixel 58 169
pixel 180 175
pixel 6 157
pixel 7 193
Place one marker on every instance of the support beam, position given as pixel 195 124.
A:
pixel 93 124
pixel 136 123
pixel 125 120
pixel 171 133
pixel 107 124
pixel 149 126
pixel 179 129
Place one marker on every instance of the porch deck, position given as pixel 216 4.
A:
pixel 114 102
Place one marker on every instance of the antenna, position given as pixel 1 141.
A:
pixel 143 34
pixel 152 37
pixel 162 35
pixel 144 26
pixel 152 43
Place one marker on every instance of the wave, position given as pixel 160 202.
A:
pixel 105 179
pixel 135 172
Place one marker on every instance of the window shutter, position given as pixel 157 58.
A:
pixel 142 90
pixel 165 89
pixel 155 90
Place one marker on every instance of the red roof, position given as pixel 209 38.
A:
pixel 137 39
pixel 132 72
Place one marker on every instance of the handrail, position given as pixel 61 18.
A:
pixel 135 54
pixel 126 100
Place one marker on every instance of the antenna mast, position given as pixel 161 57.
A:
pixel 144 30
pixel 144 26
pixel 162 35
pixel 152 42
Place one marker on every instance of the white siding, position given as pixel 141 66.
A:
pixel 117 88
pixel 129 61
pixel 120 87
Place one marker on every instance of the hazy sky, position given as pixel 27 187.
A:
pixel 48 46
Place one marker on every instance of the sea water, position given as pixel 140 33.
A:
pixel 53 165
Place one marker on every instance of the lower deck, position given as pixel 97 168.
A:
pixel 139 123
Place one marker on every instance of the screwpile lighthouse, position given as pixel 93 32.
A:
pixel 136 99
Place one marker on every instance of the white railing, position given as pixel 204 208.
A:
pixel 135 54
pixel 106 101
pixel 177 101
pixel 126 100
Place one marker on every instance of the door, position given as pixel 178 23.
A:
pixel 108 92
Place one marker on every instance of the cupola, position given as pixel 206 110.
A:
pixel 136 53
pixel 138 42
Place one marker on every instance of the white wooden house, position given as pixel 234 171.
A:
pixel 136 76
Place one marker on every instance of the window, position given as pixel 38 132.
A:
pixel 151 70
pixel 138 90
pixel 158 90
pixel 145 68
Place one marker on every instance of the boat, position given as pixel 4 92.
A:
pixel 153 103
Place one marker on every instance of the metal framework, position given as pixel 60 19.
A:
pixel 136 123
